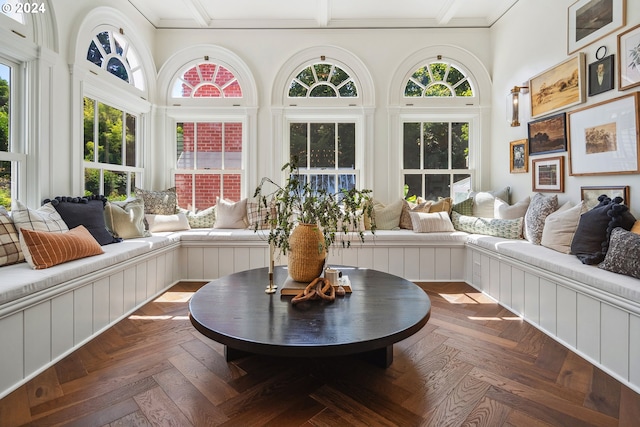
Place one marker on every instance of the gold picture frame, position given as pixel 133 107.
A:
pixel 603 138
pixel 519 156
pixel 548 175
pixel 590 194
pixel 591 20
pixel 558 87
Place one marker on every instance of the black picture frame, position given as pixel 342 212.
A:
pixel 599 85
pixel 548 135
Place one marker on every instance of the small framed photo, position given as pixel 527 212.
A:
pixel 559 87
pixel 548 135
pixel 590 20
pixel 629 58
pixel 601 75
pixel 603 138
pixel 548 174
pixel 590 194
pixel 518 156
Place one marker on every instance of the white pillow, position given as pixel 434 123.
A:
pixel 230 214
pixel 431 222
pixel 483 201
pixel 387 217
pixel 126 219
pixel 561 225
pixel 504 210
pixel 46 218
pixel 175 222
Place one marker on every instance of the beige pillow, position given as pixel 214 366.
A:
pixel 126 219
pixel 483 201
pixel 560 226
pixel 405 218
pixel 442 205
pixel 387 217
pixel 176 222
pixel 435 222
pixel 230 214
pixel 504 210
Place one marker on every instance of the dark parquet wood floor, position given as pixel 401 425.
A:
pixel 474 364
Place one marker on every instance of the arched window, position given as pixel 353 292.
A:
pixel 112 52
pixel 209 150
pixel 207 80
pixel 438 79
pixel 323 80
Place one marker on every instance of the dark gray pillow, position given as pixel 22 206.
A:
pixel 87 211
pixel 591 240
pixel 623 255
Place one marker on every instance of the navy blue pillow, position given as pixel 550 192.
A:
pixel 591 240
pixel 87 211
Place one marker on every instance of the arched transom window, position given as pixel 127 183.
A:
pixel 207 80
pixel 323 80
pixel 438 79
pixel 112 52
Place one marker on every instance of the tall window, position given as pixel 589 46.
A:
pixel 209 153
pixel 110 150
pixel 326 154
pixel 436 152
pixel 209 163
pixel 112 52
pixel 436 156
pixel 12 158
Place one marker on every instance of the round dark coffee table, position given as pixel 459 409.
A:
pixel 382 310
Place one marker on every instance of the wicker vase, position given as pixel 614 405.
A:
pixel 306 253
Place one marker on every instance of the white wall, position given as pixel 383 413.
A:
pixel 529 39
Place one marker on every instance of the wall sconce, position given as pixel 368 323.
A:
pixel 513 104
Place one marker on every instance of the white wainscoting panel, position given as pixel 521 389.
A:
pixel 83 313
pixel 566 315
pixel 614 347
pixel 62 315
pixel 12 349
pixel 588 325
pixel 37 333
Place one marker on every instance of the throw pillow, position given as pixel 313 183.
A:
pixel 442 205
pixel 230 214
pixel 126 219
pixel 539 208
pixel 46 218
pixel 10 252
pixel 257 216
pixel 47 249
pixel 464 207
pixel 623 256
pixel 591 240
pixel 407 207
pixel 387 217
pixel 424 222
pixel 560 227
pixel 504 210
pixel 200 219
pixel 483 201
pixel 507 228
pixel 158 223
pixel 87 211
pixel 158 202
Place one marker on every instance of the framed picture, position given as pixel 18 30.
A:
pixel 558 87
pixel 590 20
pixel 601 75
pixel 590 194
pixel 548 174
pixel 548 135
pixel 518 156
pixel 629 58
pixel 603 138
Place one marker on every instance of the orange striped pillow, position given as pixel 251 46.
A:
pixel 48 249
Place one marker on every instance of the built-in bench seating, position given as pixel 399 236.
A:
pixel 46 314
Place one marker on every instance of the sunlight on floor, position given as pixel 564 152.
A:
pixel 143 317
pixel 494 318
pixel 172 296
pixel 468 298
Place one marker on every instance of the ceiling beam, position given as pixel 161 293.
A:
pixel 324 12
pixel 448 11
pixel 198 12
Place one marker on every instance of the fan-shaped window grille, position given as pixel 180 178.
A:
pixel 438 79
pixel 207 80
pixel 323 80
pixel 113 52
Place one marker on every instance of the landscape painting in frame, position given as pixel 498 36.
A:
pixel 590 20
pixel 548 135
pixel 558 87
pixel 603 138
pixel 590 194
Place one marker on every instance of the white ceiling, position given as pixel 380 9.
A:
pixel 322 13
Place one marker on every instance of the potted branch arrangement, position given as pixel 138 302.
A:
pixel 304 221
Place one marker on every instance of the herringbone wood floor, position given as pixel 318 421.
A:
pixel 474 364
